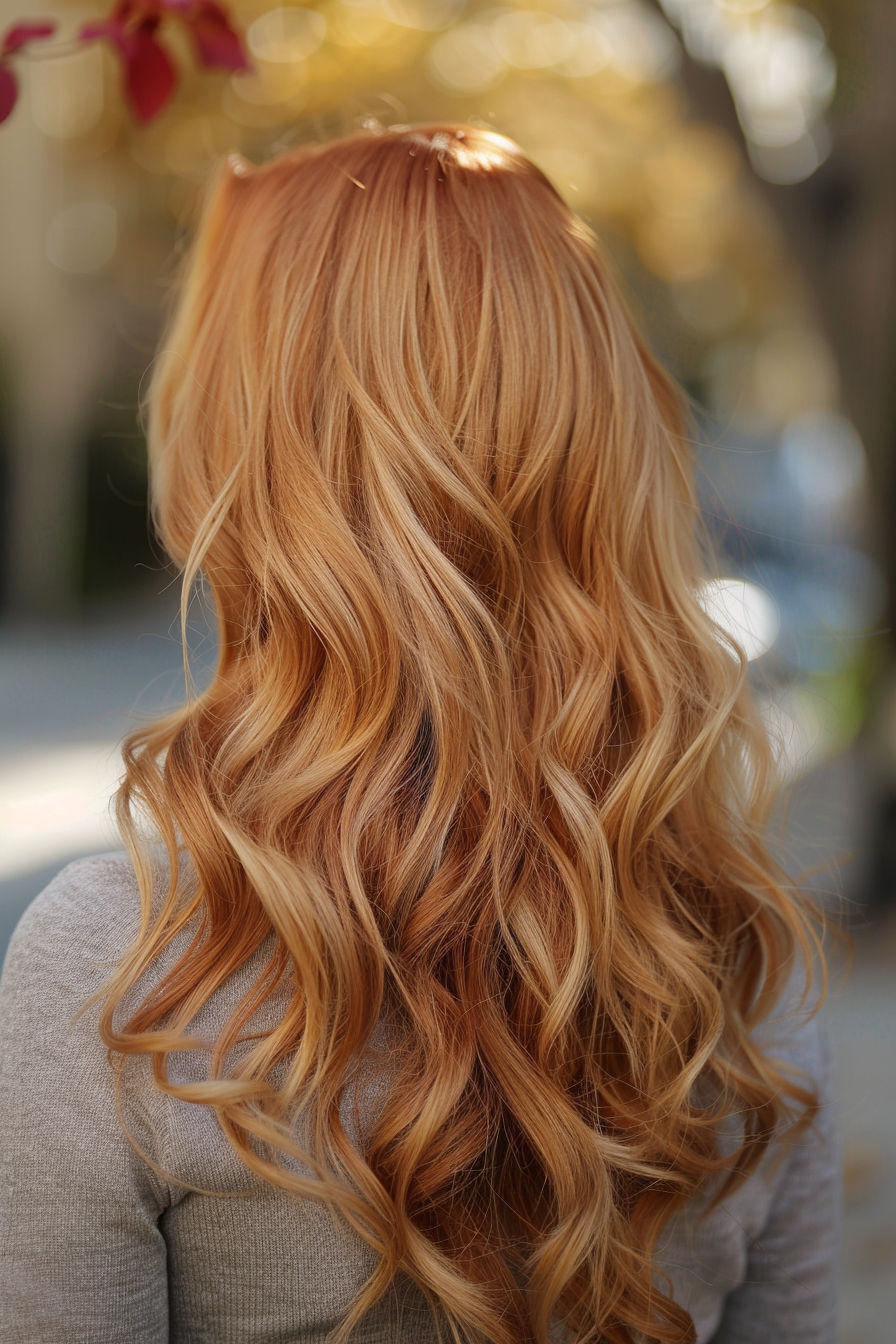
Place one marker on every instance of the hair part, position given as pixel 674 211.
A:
pixel 472 754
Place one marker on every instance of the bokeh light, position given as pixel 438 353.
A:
pixel 780 71
pixel 744 613
pixel 81 238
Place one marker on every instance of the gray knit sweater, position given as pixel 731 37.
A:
pixel 97 1248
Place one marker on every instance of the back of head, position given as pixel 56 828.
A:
pixel 473 753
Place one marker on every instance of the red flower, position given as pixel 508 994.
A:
pixel 14 38
pixel 149 73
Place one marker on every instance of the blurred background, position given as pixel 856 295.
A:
pixel 738 160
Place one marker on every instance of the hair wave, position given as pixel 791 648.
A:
pixel 472 752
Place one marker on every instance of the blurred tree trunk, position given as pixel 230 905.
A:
pixel 53 346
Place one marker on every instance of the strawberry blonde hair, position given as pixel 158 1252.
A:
pixel 473 763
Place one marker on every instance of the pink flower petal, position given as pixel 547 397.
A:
pixel 20 33
pixel 9 91
pixel 150 76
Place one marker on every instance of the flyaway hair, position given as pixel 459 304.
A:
pixel 474 764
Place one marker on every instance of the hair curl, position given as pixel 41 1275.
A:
pixel 472 752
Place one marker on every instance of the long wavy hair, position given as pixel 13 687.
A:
pixel 474 764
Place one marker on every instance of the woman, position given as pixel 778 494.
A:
pixel 459 997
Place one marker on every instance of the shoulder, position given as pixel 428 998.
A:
pixel 67 1161
pixel 54 1066
pixel 86 917
pixel 94 898
pixel 72 937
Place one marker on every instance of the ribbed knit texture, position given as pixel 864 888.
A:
pixel 96 1248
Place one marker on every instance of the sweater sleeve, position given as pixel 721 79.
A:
pixel 81 1254
pixel 789 1292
